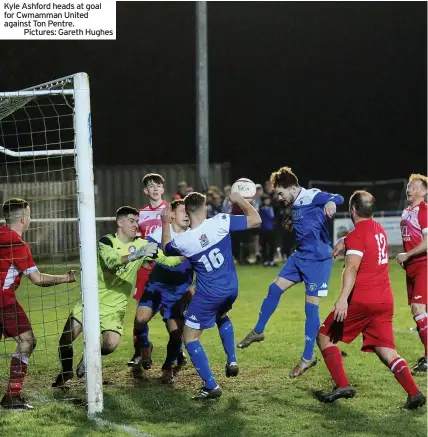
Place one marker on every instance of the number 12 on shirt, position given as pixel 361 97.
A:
pixel 381 244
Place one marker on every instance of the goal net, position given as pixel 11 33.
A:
pixel 46 159
pixel 390 198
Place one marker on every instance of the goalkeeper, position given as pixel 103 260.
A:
pixel 120 256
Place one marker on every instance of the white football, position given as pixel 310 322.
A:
pixel 245 187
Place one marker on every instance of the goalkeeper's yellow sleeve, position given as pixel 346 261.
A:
pixel 111 258
pixel 170 261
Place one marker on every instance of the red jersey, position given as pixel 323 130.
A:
pixel 149 219
pixel 372 284
pixel 413 227
pixel 15 260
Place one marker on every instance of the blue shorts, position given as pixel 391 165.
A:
pixel 315 274
pixel 203 309
pixel 172 309
pixel 151 299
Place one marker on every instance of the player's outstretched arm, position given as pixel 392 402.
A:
pixel 170 261
pixel 113 260
pixel 253 218
pixel 418 250
pixel 330 202
pixel 166 231
pixel 45 280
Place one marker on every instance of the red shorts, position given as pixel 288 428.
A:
pixel 373 320
pixel 142 278
pixel 13 320
pixel 416 281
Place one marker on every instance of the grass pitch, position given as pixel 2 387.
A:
pixel 261 401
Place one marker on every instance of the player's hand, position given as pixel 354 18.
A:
pixel 401 258
pixel 150 250
pixel 288 225
pixel 71 276
pixel 235 197
pixel 330 209
pixel 340 245
pixel 166 215
pixel 340 310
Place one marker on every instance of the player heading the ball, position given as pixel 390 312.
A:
pixel 311 263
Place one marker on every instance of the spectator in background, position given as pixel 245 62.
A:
pixel 215 207
pixel 189 190
pixel 257 201
pixel 267 231
pixel 278 209
pixel 255 233
pixel 227 204
pixel 181 191
pixel 209 196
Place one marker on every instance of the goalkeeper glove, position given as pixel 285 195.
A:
pixel 148 251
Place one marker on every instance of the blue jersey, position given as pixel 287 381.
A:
pixel 172 282
pixel 209 250
pixel 311 224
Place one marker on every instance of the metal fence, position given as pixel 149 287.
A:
pixel 53 234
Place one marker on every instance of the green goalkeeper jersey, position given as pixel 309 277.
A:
pixel 116 281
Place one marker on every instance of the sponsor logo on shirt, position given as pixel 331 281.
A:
pixel 132 249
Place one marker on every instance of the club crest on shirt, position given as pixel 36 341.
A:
pixel 132 249
pixel 203 239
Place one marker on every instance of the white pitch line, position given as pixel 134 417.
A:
pixel 126 428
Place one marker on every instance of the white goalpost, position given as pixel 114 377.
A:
pixel 46 158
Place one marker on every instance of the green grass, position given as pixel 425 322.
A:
pixel 262 401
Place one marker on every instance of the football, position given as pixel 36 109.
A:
pixel 245 187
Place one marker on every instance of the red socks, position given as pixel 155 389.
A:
pixel 402 374
pixel 18 370
pixel 422 322
pixel 334 362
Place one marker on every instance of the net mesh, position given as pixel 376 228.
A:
pixel 390 194
pixel 33 124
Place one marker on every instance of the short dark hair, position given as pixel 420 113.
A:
pixel 124 211
pixel 14 208
pixel 176 203
pixel 194 202
pixel 364 203
pixel 153 177
pixel 419 177
pixel 284 178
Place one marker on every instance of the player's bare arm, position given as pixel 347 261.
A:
pixel 418 250
pixel 352 264
pixel 166 221
pixel 330 209
pixel 340 245
pixel 45 280
pixel 253 217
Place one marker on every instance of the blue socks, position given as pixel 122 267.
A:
pixel 142 335
pixel 312 325
pixel 268 307
pixel 200 361
pixel 227 335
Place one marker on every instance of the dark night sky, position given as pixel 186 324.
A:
pixel 335 90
